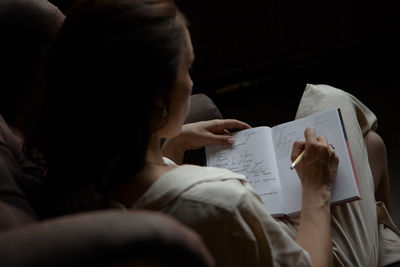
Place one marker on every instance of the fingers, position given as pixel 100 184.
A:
pixel 310 135
pixel 312 139
pixel 199 134
pixel 220 126
pixel 318 146
pixel 331 149
pixel 336 160
pixel 220 139
pixel 319 164
pixel 322 139
pixel 227 140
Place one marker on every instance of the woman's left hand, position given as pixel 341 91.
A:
pixel 199 134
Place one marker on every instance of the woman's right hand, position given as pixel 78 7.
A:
pixel 317 170
pixel 318 167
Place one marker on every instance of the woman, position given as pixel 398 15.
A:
pixel 117 81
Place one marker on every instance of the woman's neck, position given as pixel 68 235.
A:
pixel 153 169
pixel 154 154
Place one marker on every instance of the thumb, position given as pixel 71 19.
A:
pixel 298 147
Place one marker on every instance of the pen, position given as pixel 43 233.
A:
pixel 297 160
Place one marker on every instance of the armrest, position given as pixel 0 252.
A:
pixel 104 238
pixel 202 108
pixel 12 217
pixel 10 172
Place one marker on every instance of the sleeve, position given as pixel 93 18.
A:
pixel 235 226
pixel 269 236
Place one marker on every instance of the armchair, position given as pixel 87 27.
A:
pixel 105 238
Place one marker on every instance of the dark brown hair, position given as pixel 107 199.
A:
pixel 111 61
pixel 27 28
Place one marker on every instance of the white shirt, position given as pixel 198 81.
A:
pixel 228 214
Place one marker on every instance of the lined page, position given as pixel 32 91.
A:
pixel 252 155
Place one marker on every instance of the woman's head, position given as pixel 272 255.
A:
pixel 179 98
pixel 112 77
pixel 27 28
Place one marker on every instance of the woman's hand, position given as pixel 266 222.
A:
pixel 318 167
pixel 199 134
pixel 317 170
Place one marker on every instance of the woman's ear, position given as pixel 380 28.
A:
pixel 160 117
pixel 161 108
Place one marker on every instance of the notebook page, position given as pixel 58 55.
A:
pixel 251 155
pixel 327 123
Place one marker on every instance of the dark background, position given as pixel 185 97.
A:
pixel 254 58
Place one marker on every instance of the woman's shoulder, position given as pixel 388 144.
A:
pixel 198 175
pixel 203 172
pixel 215 186
pixel 209 172
pixel 204 187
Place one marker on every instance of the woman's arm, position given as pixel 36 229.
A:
pixel 315 227
pixel 317 171
pixel 198 134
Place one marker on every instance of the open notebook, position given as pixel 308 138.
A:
pixel 263 155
